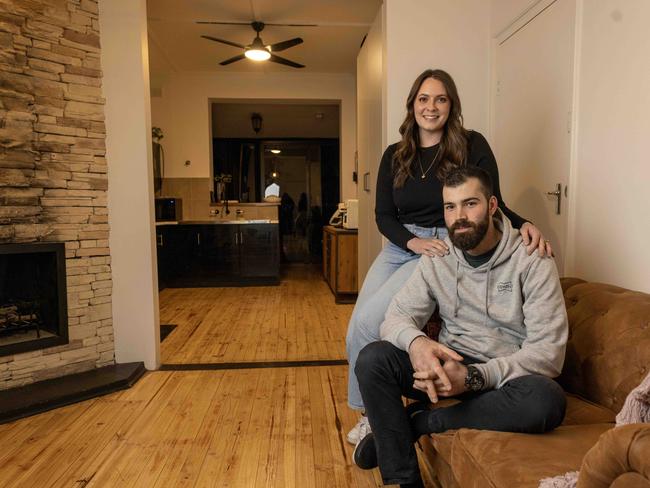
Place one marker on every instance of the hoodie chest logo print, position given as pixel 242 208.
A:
pixel 504 287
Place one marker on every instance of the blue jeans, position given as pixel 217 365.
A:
pixel 388 273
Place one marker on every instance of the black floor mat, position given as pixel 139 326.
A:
pixel 165 330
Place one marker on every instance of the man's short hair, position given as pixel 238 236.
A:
pixel 460 175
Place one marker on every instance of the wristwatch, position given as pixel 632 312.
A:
pixel 474 380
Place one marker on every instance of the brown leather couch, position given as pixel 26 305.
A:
pixel 608 355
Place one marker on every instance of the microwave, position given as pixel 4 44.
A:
pixel 169 209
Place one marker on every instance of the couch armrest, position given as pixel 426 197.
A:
pixel 621 450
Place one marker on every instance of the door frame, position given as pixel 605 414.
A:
pixel 518 23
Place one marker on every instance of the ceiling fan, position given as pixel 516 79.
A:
pixel 257 50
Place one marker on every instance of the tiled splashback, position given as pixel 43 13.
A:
pixel 195 193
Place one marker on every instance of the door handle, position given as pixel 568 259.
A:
pixel 198 239
pixel 557 194
pixel 366 182
pixel 241 238
pixel 159 238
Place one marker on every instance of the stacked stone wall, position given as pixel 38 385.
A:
pixel 53 174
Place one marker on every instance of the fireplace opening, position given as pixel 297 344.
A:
pixel 33 297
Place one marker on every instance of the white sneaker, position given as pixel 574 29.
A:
pixel 359 431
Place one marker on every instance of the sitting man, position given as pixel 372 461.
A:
pixel 503 337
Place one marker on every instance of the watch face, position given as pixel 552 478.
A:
pixel 474 380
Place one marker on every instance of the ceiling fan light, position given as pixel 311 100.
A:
pixel 257 54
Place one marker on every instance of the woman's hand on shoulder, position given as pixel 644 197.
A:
pixel 534 240
pixel 428 247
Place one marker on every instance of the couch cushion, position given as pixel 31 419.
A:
pixel 630 480
pixel 442 442
pixel 580 411
pixel 432 463
pixel 619 454
pixel 608 351
pixel 482 458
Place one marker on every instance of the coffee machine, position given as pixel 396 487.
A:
pixel 351 217
pixel 346 215
pixel 337 218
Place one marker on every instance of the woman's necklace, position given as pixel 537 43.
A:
pixel 424 173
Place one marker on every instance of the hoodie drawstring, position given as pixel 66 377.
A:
pixel 487 293
pixel 457 302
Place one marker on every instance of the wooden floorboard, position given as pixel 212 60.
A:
pixel 297 320
pixel 250 428
pixel 265 427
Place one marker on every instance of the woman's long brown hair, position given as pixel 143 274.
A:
pixel 453 144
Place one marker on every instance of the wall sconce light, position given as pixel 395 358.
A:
pixel 256 122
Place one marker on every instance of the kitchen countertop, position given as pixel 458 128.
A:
pixel 218 222
pixel 245 204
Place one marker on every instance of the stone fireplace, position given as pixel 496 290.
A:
pixel 53 189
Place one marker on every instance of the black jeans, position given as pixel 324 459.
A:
pixel 531 404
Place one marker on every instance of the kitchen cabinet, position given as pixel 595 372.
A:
pixel 175 247
pixel 193 255
pixel 340 262
pixel 259 250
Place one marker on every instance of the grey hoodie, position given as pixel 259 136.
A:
pixel 508 312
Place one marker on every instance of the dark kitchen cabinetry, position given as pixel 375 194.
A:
pixel 259 246
pixel 172 243
pixel 218 255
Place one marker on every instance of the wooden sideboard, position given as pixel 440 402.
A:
pixel 340 262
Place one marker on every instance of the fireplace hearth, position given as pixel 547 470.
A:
pixel 33 300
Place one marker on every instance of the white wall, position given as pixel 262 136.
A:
pixel 123 25
pixel 505 12
pixel 183 113
pixel 612 226
pixel 453 36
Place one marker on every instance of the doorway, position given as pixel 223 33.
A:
pixel 286 146
pixel 303 172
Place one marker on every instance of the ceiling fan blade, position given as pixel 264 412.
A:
pixel 281 46
pixel 218 22
pixel 223 41
pixel 232 60
pixel 213 22
pixel 293 25
pixel 279 60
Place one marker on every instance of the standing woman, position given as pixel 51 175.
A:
pixel 409 207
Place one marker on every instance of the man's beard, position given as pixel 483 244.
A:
pixel 472 238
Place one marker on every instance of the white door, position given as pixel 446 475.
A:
pixel 532 117
pixel 369 144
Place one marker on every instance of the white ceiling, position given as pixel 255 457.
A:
pixel 175 44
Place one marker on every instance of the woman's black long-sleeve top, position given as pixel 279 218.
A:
pixel 419 201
